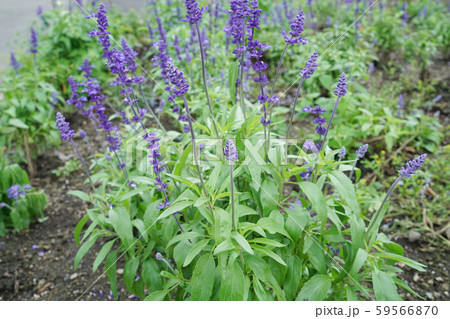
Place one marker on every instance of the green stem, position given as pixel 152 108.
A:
pixel 194 148
pixel 375 217
pixel 205 85
pixel 82 163
pixel 353 168
pixel 232 198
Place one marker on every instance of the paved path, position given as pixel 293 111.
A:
pixel 16 17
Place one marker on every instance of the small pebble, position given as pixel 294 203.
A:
pixel 414 236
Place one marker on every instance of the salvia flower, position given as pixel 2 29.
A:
pixel 309 145
pixel 158 166
pixel 15 191
pixel 307 174
pixel 15 65
pixel 230 151
pixel 82 133
pixel 194 13
pixel 311 66
pixel 64 127
pixel 177 79
pixel 235 28
pixel 101 31
pixel 33 41
pixel 334 251
pixel 341 88
pixel 361 151
pixel 319 121
pixel 412 166
pixel 86 68
pixel 401 101
pixel 159 256
pixel 341 153
pixel 297 27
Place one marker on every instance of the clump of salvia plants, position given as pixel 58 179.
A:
pixel 211 218
pixel 20 204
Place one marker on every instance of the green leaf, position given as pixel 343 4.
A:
pixel 233 71
pixel 384 286
pixel 151 275
pixel 232 287
pixel 130 272
pixel 359 261
pixel 111 271
pixel 224 246
pixel 317 199
pixel 79 228
pixel 270 254
pixel 180 165
pixel 80 194
pixel 261 293
pixel 242 242
pixel 266 241
pixel 134 192
pixel 357 231
pixel 157 296
pixel 222 225
pixel 186 182
pixel 262 270
pixel 102 254
pixel 411 263
pixel 177 206
pixel 139 224
pixel 272 226
pixel 293 276
pixel 202 281
pixel 183 236
pixel 120 219
pixel 84 249
pixel 18 123
pixel 269 195
pixel 346 189
pixel 195 250
pixel 316 255
pixel 296 221
pixel 180 252
pixel 315 289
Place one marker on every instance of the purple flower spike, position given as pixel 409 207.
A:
pixel 176 77
pixel 341 153
pixel 309 145
pixel 411 167
pixel 341 88
pixel 159 256
pixel 311 66
pixel 194 13
pixel 64 127
pixel 360 152
pixel 33 41
pixel 14 192
pixel 82 133
pixel 86 68
pixel 102 24
pixel 230 151
pixel 297 27
pixel 14 62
